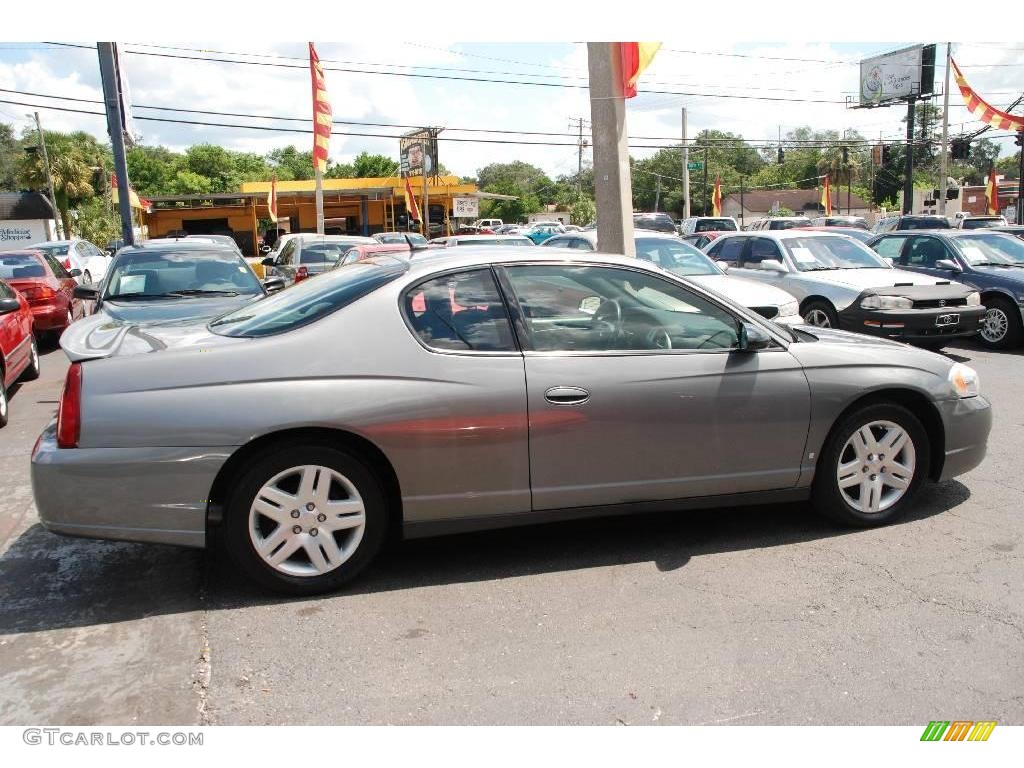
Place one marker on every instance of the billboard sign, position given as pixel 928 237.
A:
pixel 417 152
pixel 465 207
pixel 897 76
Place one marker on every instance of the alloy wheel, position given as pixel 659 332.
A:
pixel 307 520
pixel 819 318
pixel 876 466
pixel 994 325
pixel 3 401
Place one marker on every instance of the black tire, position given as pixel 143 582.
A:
pixel 87 278
pixel 32 372
pixel 1010 315
pixel 826 309
pixel 236 535
pixel 826 496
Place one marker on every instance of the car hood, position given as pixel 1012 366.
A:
pixel 747 293
pixel 1014 274
pixel 123 328
pixel 860 279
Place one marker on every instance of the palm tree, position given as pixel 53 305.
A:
pixel 72 178
pixel 839 172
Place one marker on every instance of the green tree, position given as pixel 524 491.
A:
pixel 1009 166
pixel 522 176
pixel 583 211
pixel 523 205
pixel 97 221
pixel 290 164
pixel 11 153
pixel 215 164
pixel 186 182
pixel 76 162
pixel 151 169
pixel 369 166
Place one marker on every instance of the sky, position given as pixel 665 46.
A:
pixel 777 70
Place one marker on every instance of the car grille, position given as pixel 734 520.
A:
pixel 766 312
pixel 935 303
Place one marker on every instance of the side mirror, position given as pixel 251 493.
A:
pixel 770 265
pixel 75 273
pixel 86 292
pixel 9 305
pixel 273 284
pixel 948 264
pixel 753 338
pixel 269 262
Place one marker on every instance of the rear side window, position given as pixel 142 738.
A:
pixel 309 300
pixel 729 250
pixel 460 312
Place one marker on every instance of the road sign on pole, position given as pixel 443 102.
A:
pixel 695 166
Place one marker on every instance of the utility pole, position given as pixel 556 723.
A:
pixel 742 222
pixel 686 172
pixel 943 167
pixel 704 199
pixel 580 144
pixel 1020 178
pixel 59 223
pixel 908 181
pixel 612 180
pixel 657 192
pixel 112 101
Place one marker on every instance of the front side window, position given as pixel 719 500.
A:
pixel 890 247
pixel 762 249
pixel 287 252
pixel 729 249
pixel 460 312
pixel 58 269
pixel 832 252
pixel 580 308
pixel 322 253
pixel 925 252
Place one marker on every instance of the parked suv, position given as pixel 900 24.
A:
pixel 488 223
pixel 695 224
pixel 899 222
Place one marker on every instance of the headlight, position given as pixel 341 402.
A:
pixel 974 299
pixel 964 380
pixel 886 302
pixel 788 310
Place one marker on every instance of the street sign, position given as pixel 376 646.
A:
pixel 465 207
pixel 697 165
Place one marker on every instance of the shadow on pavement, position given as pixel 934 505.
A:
pixel 53 582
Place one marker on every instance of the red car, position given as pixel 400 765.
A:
pixel 48 287
pixel 19 355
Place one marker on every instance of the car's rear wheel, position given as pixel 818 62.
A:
pixel 872 466
pixel 32 372
pixel 305 519
pixel 87 278
pixel 3 400
pixel 1001 328
pixel 821 314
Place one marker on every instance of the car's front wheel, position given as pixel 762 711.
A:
pixel 821 314
pixel 32 372
pixel 1001 328
pixel 305 519
pixel 872 466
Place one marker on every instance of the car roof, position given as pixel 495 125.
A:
pixel 782 234
pixel 352 239
pixel 440 260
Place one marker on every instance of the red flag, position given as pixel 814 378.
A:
pixel 826 196
pixel 321 112
pixel 272 200
pixel 636 57
pixel 410 201
pixel 984 111
pixel 716 197
pixel 992 193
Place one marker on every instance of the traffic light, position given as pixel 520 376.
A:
pixel 959 149
pixel 846 156
pixel 1019 141
pixel 886 154
pixel 782 156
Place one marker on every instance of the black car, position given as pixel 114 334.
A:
pixel 659 222
pixel 900 222
pixel 990 262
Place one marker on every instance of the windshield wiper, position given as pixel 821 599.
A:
pixel 200 292
pixel 133 296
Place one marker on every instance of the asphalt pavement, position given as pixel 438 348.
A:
pixel 763 615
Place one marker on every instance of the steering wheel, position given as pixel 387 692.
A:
pixel 658 338
pixel 710 338
pixel 607 321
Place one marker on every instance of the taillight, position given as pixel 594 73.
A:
pixel 301 274
pixel 69 414
pixel 66 263
pixel 41 293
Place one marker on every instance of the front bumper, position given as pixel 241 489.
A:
pixel 157 495
pixel 913 324
pixel 966 423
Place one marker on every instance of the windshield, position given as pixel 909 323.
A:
pixel 858 234
pixel 982 223
pixel 492 240
pixel 715 225
pixel 832 252
pixel 399 237
pixel 919 222
pixel 787 223
pixel 54 249
pixel 15 266
pixel 310 300
pixel 153 274
pixel 991 249
pixel 675 256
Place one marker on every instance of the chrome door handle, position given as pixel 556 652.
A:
pixel 567 395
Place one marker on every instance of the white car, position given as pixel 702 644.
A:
pixel 78 254
pixel 841 283
pixel 673 255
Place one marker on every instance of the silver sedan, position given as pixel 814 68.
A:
pixel 484 387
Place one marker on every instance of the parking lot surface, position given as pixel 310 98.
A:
pixel 764 615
